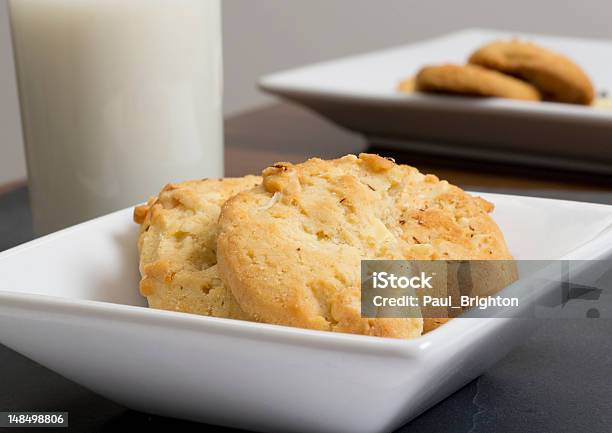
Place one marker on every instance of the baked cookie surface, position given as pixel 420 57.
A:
pixel 177 245
pixel 556 76
pixel 290 249
pixel 407 85
pixel 473 80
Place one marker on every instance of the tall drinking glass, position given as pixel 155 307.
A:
pixel 117 98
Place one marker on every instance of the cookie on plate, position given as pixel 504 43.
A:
pixel 407 85
pixel 177 245
pixel 556 76
pixel 473 80
pixel 290 249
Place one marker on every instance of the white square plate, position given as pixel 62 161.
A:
pixel 360 93
pixel 70 302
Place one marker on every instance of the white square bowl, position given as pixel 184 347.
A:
pixel 70 302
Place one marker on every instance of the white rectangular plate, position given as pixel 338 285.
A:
pixel 360 93
pixel 70 302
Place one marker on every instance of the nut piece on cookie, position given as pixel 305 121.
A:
pixel 556 76
pixel 177 245
pixel 290 250
pixel 473 80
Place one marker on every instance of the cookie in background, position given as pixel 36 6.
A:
pixel 555 75
pixel 473 80
pixel 509 69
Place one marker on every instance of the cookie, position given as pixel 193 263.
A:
pixel 556 76
pixel 177 245
pixel 473 80
pixel 407 85
pixel 290 249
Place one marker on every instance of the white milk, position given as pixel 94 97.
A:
pixel 118 97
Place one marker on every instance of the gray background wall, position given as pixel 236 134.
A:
pixel 262 36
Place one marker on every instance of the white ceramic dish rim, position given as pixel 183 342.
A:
pixel 593 249
pixel 281 83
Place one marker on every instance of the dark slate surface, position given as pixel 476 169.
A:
pixel 559 380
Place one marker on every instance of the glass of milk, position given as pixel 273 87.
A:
pixel 118 97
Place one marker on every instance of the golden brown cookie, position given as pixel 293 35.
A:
pixel 473 80
pixel 177 246
pixel 407 85
pixel 556 76
pixel 290 249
